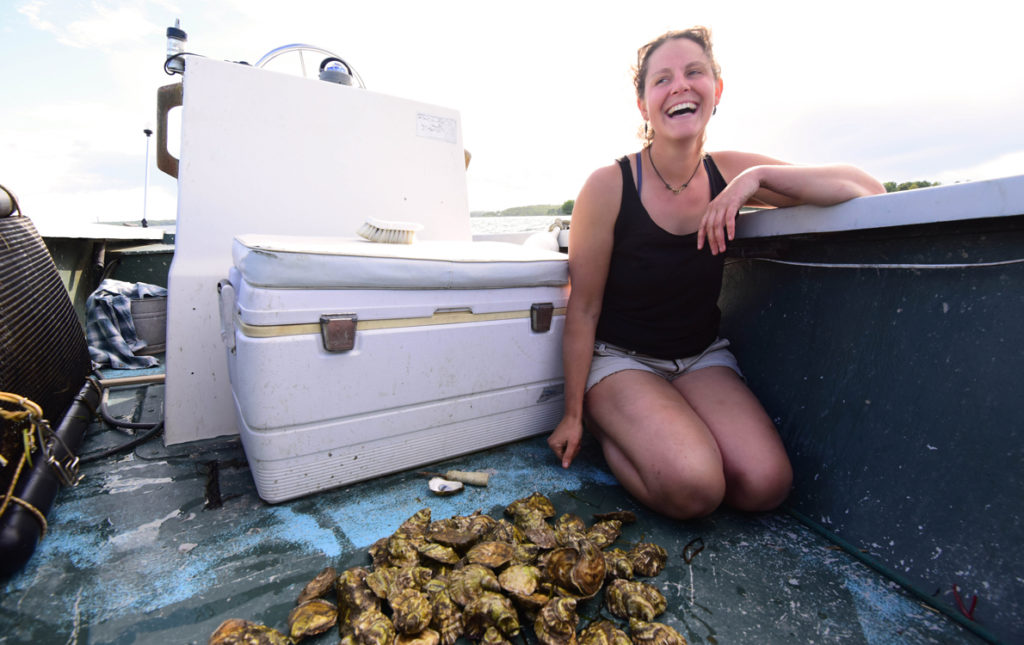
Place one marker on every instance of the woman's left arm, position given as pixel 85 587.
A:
pixel 758 180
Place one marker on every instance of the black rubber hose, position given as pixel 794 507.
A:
pixel 20 529
pixel 154 430
pixel 120 423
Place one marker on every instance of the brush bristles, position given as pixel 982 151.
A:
pixel 389 232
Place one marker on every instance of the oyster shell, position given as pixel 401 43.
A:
pixel 603 632
pixel 569 528
pixel 444 487
pixel 411 611
pixel 438 553
pixel 380 580
pixel 410 578
pixel 236 631
pixel 437 584
pixel 604 533
pixel 352 578
pixel 535 528
pixel 480 524
pixel 649 633
pixel 416 526
pixel 503 531
pixel 493 636
pixel 534 602
pixel 633 599
pixel 470 582
pixel 617 564
pixel 527 553
pixel 587 574
pixel 493 555
pixel 388 581
pixel 379 553
pixel 403 551
pixel 426 637
pixel 372 627
pixel 626 517
pixel 571 522
pixel 312 617
pixel 446 619
pixel 318 586
pixel 579 569
pixel 556 622
pixel 535 501
pixel 354 597
pixel 490 609
pixel 452 533
pixel 648 559
pixel 520 579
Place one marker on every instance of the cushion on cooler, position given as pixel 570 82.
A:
pixel 299 262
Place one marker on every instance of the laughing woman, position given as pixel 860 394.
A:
pixel 644 365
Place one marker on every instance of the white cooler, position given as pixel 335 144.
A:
pixel 350 359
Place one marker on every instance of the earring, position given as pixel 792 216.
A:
pixel 714 111
pixel 645 129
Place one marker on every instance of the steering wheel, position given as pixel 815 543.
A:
pixel 300 49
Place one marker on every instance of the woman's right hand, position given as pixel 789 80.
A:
pixel 565 440
pixel 591 238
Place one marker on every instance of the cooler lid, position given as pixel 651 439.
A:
pixel 301 262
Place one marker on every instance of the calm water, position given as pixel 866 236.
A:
pixel 481 225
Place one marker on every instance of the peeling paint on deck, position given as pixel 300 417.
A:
pixel 142 564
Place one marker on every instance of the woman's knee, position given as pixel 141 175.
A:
pixel 692 493
pixel 760 489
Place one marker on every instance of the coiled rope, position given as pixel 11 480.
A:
pixel 31 417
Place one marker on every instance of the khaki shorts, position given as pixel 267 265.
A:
pixel 609 359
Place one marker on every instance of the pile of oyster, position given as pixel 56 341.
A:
pixel 432 582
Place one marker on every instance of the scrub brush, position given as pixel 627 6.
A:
pixel 379 230
pixel 473 477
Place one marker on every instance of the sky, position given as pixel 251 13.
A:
pixel 906 90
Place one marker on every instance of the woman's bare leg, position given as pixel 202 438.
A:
pixel 758 474
pixel 656 444
pixel 682 448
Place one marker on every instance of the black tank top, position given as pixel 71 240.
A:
pixel 661 297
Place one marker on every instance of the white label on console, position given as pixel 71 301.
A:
pixel 433 126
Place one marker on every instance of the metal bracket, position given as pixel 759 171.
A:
pixel 540 316
pixel 67 469
pixel 338 332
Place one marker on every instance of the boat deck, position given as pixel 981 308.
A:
pixel 161 544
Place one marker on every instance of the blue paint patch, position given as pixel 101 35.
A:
pixel 304 529
pixel 515 474
pixel 883 615
pixel 126 557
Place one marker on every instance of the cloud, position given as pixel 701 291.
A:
pixel 1006 165
pixel 33 11
pixel 102 26
pixel 78 161
pixel 545 95
pixel 52 213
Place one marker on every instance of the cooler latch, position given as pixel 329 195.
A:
pixel 338 332
pixel 540 316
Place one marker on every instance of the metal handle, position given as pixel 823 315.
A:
pixel 226 296
pixel 167 98
pixel 8 202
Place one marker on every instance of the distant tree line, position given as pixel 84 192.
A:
pixel 893 187
pixel 567 206
pixel 522 211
